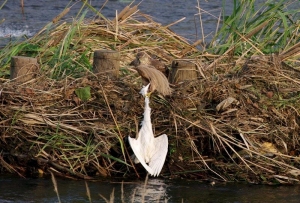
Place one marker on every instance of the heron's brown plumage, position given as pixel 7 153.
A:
pixel 142 58
pixel 156 78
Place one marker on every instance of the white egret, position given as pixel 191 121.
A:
pixel 150 151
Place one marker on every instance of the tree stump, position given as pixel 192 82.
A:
pixel 106 61
pixel 183 69
pixel 23 69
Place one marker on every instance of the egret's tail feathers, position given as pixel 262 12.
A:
pixel 159 154
pixel 139 153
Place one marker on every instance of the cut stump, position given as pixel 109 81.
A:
pixel 107 61
pixel 183 69
pixel 23 69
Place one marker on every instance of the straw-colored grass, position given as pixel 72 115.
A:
pixel 239 121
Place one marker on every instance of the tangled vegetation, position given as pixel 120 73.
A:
pixel 238 121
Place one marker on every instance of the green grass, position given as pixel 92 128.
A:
pixel 251 29
pixel 258 28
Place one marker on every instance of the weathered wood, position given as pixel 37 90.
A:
pixel 183 69
pixel 107 61
pixel 23 69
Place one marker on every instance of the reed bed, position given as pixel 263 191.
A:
pixel 238 121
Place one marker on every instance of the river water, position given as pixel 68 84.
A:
pixel 36 14
pixel 14 24
pixel 16 189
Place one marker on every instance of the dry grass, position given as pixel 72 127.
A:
pixel 240 121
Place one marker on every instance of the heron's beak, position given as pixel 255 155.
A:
pixel 148 94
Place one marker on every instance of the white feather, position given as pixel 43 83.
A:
pixel 147 148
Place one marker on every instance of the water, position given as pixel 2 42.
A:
pixel 16 189
pixel 36 14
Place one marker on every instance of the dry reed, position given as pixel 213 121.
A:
pixel 239 123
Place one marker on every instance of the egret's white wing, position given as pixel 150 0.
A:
pixel 139 152
pixel 159 153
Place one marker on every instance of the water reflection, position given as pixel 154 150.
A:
pixel 152 190
pixel 15 189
